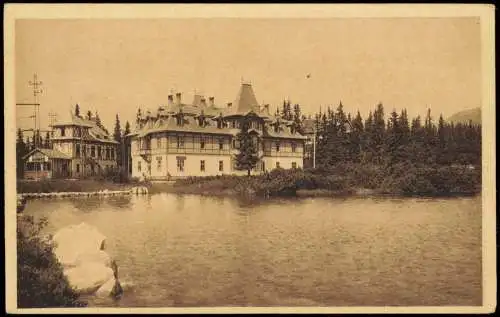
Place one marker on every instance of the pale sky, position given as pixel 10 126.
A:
pixel 115 66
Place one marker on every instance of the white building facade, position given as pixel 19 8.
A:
pixel 199 139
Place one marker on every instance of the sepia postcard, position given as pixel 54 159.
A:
pixel 239 158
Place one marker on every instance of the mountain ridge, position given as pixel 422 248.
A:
pixel 467 115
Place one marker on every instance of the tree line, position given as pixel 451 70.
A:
pixel 375 140
pixel 342 138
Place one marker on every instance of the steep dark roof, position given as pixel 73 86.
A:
pixel 96 132
pixel 190 125
pixel 246 101
pixel 73 121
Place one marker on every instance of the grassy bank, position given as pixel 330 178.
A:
pixel 346 179
pixel 64 185
pixel 40 279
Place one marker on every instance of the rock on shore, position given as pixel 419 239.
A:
pixel 88 268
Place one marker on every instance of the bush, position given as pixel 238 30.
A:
pixel 403 178
pixel 40 280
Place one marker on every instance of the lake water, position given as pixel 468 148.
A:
pixel 199 251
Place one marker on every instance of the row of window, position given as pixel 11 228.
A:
pixel 37 166
pixel 180 144
pixel 180 164
pixel 96 151
pixel 77 132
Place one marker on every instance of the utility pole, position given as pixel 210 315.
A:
pixel 36 91
pixel 36 113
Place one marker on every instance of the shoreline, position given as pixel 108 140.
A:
pixel 353 180
pixel 306 193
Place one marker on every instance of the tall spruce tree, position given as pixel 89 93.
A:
pixel 77 110
pixel 127 129
pixel 247 157
pixel 342 142
pixel 367 139
pixel 21 150
pixel 393 140
pixel 356 139
pixel 37 139
pixel 378 134
pixel 417 142
pixel 47 143
pixel 28 144
pixel 430 138
pixel 297 118
pixel 117 136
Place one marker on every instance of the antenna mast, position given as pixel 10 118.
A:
pixel 36 91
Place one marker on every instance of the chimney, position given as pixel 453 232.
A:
pixel 203 102
pixel 229 104
pixel 170 99
pixel 212 103
pixel 178 97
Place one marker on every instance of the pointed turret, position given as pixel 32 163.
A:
pixel 246 100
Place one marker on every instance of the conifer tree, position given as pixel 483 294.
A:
pixel 21 151
pixel 127 129
pixel 47 140
pixel 117 136
pixel 297 118
pixel 378 133
pixel 77 110
pixel 247 157
pixel 28 144
pixel 356 139
pixel 37 139
pixel 393 145
pixel 430 139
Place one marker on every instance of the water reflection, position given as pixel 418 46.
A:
pixel 120 202
pixel 87 204
pixel 213 251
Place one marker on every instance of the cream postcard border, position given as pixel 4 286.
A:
pixel 150 11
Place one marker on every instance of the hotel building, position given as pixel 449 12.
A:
pixel 199 139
